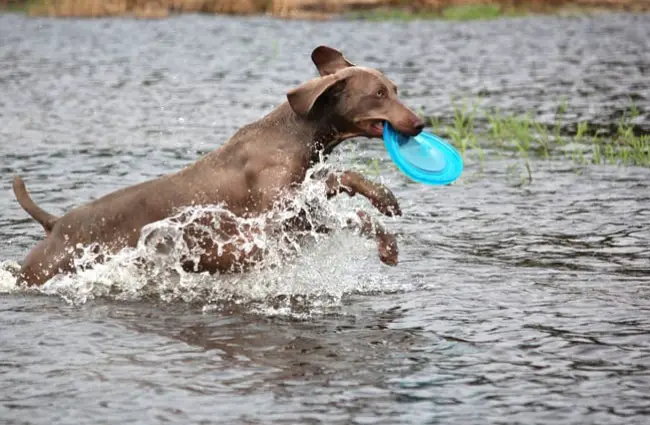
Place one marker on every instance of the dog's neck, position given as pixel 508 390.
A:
pixel 323 132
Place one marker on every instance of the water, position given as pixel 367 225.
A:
pixel 512 303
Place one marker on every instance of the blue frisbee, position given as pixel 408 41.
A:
pixel 425 158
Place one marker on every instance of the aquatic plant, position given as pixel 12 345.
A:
pixel 393 14
pixel 522 135
pixel 459 12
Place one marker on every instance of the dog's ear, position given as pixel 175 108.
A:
pixel 302 98
pixel 328 60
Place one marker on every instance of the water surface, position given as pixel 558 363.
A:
pixel 512 303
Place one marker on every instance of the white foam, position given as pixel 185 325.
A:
pixel 8 271
pixel 300 273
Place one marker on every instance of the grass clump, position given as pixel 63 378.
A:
pixel 470 130
pixel 451 13
pixel 16 6
pixel 392 14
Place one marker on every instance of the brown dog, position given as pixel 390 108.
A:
pixel 259 166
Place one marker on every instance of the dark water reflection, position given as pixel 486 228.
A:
pixel 512 304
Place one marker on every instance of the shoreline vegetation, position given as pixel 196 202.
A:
pixel 476 129
pixel 321 9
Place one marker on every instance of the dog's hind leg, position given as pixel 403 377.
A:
pixel 48 258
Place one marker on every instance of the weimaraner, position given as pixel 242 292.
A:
pixel 258 167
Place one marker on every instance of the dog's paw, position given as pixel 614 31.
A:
pixel 385 201
pixel 387 246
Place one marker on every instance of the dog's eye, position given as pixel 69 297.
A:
pixel 380 93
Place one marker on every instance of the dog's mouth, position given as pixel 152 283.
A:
pixel 374 128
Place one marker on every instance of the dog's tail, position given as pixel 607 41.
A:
pixel 46 219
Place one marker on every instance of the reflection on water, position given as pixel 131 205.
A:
pixel 512 303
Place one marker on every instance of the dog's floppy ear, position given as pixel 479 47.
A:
pixel 302 98
pixel 328 60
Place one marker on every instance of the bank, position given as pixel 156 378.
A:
pixel 320 9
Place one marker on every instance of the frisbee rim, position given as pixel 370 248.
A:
pixel 453 166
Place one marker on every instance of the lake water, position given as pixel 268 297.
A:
pixel 512 303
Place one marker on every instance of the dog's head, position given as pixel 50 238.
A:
pixel 360 99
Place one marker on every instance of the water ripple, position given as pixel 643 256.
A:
pixel 512 303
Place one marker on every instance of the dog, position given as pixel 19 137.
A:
pixel 256 170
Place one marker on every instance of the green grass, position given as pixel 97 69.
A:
pixel 451 13
pixel 392 14
pixel 22 7
pixel 523 137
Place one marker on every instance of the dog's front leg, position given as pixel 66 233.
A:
pixel 386 242
pixel 352 183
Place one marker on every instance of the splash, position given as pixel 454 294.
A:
pixel 8 271
pixel 301 271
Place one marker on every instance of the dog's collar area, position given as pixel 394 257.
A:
pixel 322 148
pixel 324 141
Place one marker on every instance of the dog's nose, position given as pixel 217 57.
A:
pixel 418 125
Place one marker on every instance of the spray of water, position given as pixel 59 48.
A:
pixel 301 272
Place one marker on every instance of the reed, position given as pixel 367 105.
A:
pixel 522 136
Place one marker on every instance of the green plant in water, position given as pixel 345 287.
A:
pixel 596 156
pixel 526 136
pixel 517 177
pixel 435 124
pixel 562 107
pixel 583 128
pixel 634 111
pixel 542 134
pixel 461 131
pixel 392 14
pixel 466 12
